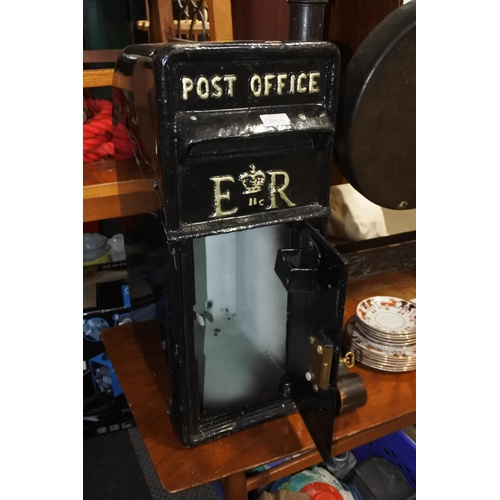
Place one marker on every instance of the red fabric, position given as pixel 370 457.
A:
pixel 98 133
pixel 97 130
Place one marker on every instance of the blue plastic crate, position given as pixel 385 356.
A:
pixel 398 449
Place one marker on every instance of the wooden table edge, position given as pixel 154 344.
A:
pixel 309 457
pixel 345 442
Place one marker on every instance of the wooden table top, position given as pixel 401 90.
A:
pixel 140 366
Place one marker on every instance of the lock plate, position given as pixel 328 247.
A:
pixel 320 364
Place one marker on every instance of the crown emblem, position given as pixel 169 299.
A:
pixel 253 180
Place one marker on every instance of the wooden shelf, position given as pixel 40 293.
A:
pixel 97 78
pixel 107 195
pixel 139 362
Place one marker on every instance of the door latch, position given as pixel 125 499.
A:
pixel 320 365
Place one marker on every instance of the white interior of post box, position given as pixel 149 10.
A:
pixel 239 318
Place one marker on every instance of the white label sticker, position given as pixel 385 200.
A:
pixel 274 120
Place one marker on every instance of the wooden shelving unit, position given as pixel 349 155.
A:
pixel 106 197
pixel 100 191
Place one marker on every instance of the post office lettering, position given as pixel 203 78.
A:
pixel 258 85
pixel 204 87
pixel 284 83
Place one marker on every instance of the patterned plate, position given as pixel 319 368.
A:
pixel 396 353
pixel 378 363
pixel 388 314
pixel 370 355
pixel 386 339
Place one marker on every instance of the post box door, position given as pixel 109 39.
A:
pixel 315 275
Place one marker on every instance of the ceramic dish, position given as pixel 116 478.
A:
pixel 360 341
pixel 375 356
pixel 381 364
pixel 363 358
pixel 388 314
pixel 395 339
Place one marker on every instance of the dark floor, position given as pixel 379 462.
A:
pixel 117 466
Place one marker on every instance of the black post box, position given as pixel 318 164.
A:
pixel 236 140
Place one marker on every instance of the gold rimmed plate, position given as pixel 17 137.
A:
pixel 374 348
pixel 388 315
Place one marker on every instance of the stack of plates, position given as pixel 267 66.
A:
pixel 383 334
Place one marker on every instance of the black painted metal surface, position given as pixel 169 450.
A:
pixel 376 127
pixel 233 136
pixel 306 19
pixel 318 313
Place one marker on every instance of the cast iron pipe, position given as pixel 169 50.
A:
pixel 306 19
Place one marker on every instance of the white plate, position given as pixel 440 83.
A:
pixel 399 338
pixel 362 358
pixel 388 314
pixel 358 340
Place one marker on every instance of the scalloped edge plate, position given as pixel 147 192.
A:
pixel 386 314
